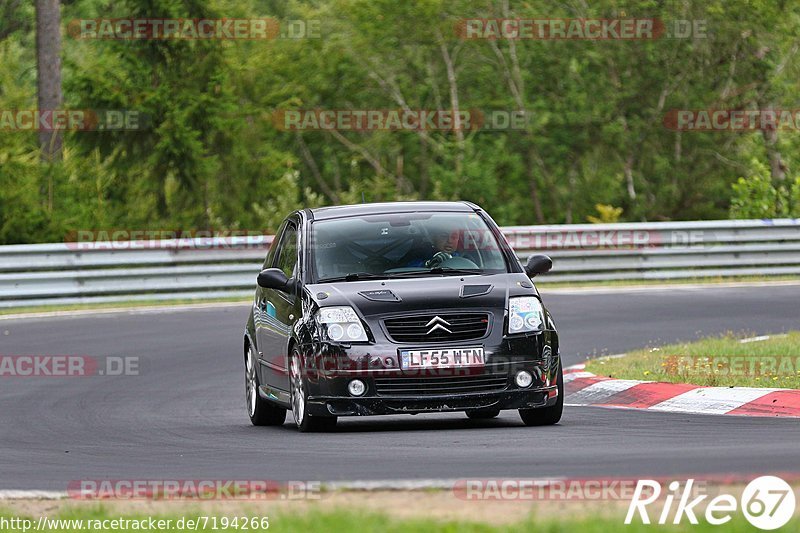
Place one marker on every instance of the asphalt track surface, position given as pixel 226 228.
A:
pixel 183 417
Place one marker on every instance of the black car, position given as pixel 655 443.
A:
pixel 408 307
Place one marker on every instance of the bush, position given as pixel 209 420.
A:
pixel 757 197
pixel 606 214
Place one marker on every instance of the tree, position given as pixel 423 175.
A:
pixel 48 82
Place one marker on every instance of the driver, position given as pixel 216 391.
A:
pixel 445 243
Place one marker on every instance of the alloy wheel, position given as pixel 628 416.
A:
pixel 250 384
pixel 297 392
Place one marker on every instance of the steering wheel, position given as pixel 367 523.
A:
pixel 440 259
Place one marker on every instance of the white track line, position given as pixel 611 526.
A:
pixel 388 484
pixel 543 286
pixel 664 287
pixel 130 310
pixel 357 485
pixel 762 338
pixel 31 495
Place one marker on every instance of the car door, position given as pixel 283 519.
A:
pixel 276 311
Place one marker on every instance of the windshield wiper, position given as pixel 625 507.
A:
pixel 354 276
pixel 451 270
pixel 438 270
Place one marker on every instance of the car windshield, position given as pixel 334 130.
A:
pixel 404 245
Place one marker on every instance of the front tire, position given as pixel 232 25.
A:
pixel 298 388
pixel 260 411
pixel 546 416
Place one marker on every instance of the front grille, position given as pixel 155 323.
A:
pixel 437 327
pixel 434 386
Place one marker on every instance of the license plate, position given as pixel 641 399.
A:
pixel 441 358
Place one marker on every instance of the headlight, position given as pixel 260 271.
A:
pixel 341 324
pixel 525 313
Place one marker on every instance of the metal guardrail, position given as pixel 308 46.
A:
pixel 64 273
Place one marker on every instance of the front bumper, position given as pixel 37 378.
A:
pixel 379 405
pixel 391 390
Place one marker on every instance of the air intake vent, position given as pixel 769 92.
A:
pixel 436 386
pixel 475 290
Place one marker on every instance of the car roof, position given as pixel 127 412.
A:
pixel 337 211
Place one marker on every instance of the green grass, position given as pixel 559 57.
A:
pixel 716 362
pixel 349 521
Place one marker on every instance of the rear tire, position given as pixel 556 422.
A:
pixel 260 411
pixel 546 416
pixel 298 386
pixel 482 414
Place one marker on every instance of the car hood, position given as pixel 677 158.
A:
pixel 375 297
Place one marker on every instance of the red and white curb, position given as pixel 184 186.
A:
pixel 584 388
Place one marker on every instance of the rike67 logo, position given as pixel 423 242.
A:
pixel 767 502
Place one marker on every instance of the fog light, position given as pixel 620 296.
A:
pixel 358 388
pixel 523 379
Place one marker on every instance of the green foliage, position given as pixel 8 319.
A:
pixel 756 196
pixel 285 197
pixel 607 214
pixel 794 198
pixel 211 157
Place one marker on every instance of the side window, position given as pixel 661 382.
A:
pixel 273 248
pixel 287 251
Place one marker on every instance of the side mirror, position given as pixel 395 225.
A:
pixel 538 264
pixel 273 278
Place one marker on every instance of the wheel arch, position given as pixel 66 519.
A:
pixel 247 342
